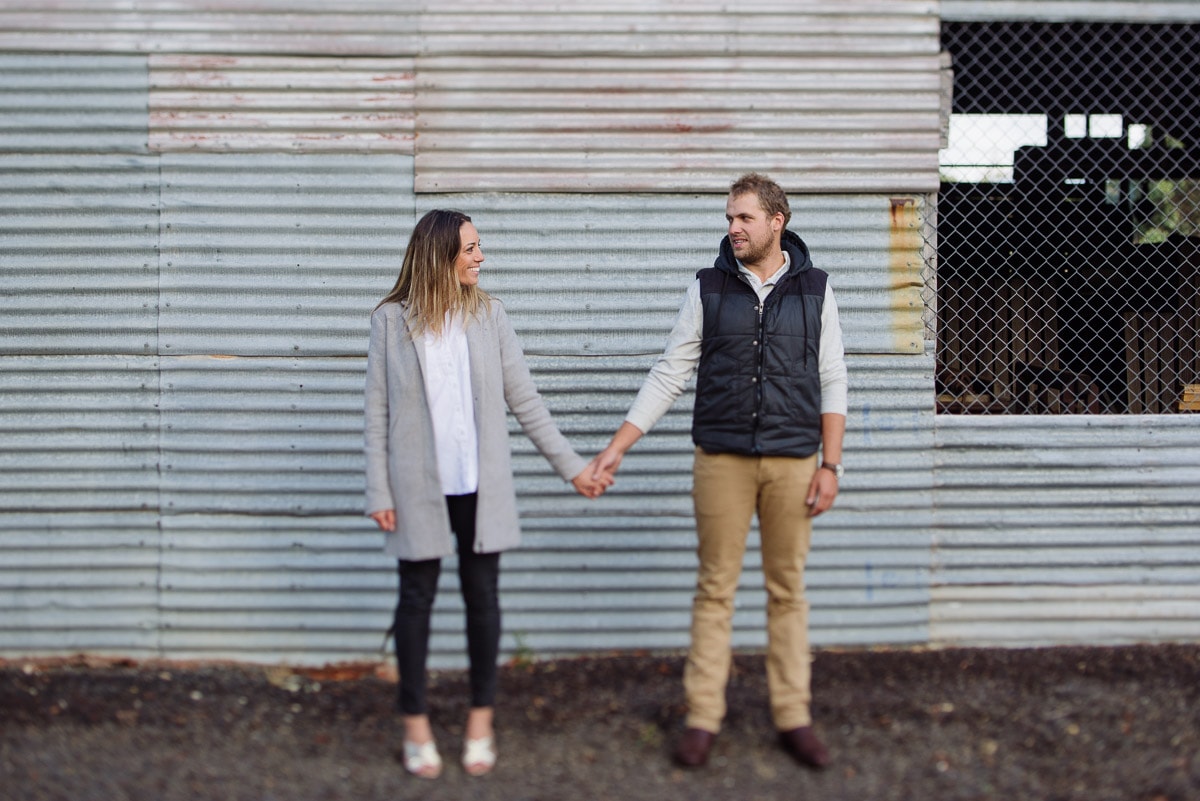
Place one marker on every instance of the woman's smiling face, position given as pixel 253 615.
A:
pixel 470 256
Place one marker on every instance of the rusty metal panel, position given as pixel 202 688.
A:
pixel 280 103
pixel 1058 529
pixel 268 254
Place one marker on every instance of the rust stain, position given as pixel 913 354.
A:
pixel 903 211
pixel 904 269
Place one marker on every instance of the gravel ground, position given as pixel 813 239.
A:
pixel 1059 723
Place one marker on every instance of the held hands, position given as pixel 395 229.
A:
pixel 585 484
pixel 600 474
pixel 606 463
pixel 604 467
pixel 589 485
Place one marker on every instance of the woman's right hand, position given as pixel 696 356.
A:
pixel 386 519
pixel 588 486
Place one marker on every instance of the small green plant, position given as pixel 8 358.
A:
pixel 523 656
pixel 650 736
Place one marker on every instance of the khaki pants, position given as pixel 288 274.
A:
pixel 727 490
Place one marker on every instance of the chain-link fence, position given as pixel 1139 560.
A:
pixel 1068 275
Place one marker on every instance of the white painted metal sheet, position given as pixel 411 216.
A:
pixel 211 26
pixel 619 97
pixel 827 97
pixel 1065 529
pixel 280 103
pixel 263 555
pixel 820 122
pixel 406 27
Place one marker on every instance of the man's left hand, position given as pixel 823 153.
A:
pixel 822 492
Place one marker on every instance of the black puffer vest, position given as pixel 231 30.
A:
pixel 758 386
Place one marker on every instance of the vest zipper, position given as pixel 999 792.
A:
pixel 758 397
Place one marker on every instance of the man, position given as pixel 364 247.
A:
pixel 761 327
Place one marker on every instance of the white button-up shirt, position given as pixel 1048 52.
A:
pixel 448 390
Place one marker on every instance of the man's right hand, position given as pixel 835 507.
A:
pixel 608 460
pixel 604 466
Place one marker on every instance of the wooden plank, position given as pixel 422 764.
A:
pixel 1152 363
pixel 1133 362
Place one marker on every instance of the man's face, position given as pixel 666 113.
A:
pixel 753 235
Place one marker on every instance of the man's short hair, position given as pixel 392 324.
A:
pixel 770 194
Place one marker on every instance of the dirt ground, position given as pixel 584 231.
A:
pixel 1061 723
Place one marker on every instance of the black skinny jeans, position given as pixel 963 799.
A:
pixel 478 578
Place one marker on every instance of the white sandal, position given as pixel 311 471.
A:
pixel 422 759
pixel 479 756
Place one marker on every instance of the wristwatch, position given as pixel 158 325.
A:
pixel 837 469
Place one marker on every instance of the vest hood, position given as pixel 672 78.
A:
pixel 790 242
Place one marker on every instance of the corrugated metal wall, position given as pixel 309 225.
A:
pixel 203 201
pixel 618 572
pixel 512 96
pixel 203 500
pixel 1065 529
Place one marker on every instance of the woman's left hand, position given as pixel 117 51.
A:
pixel 386 519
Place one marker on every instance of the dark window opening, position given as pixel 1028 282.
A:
pixel 1068 276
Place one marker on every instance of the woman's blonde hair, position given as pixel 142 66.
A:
pixel 428 285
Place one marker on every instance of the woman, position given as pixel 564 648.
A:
pixel 442 365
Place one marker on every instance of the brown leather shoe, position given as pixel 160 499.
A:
pixel 805 748
pixel 693 747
